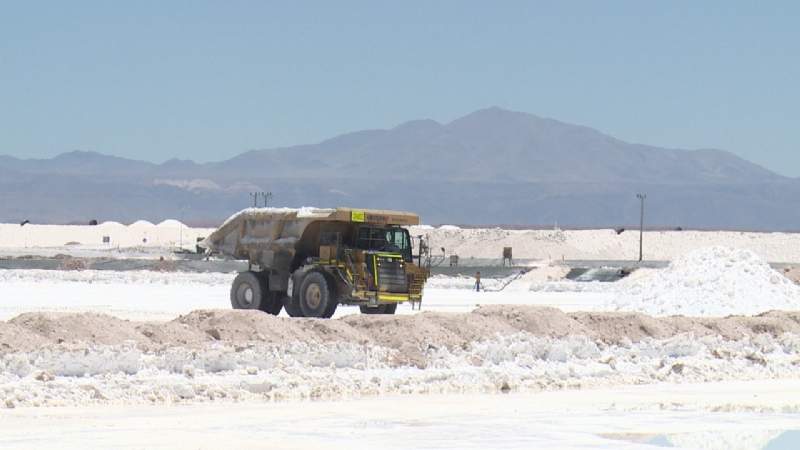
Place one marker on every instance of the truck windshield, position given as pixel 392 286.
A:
pixel 399 242
pixel 395 240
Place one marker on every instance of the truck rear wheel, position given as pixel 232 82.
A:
pixel 248 291
pixel 315 296
pixel 380 309
pixel 273 303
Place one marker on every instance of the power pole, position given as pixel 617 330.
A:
pixel 180 227
pixel 267 196
pixel 641 198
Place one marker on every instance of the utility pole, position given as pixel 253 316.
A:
pixel 641 198
pixel 267 196
pixel 180 227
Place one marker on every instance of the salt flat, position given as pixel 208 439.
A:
pixel 705 282
pixel 593 373
pixel 148 295
pixel 748 415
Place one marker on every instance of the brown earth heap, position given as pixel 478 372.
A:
pixel 411 333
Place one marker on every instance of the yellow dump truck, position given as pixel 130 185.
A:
pixel 310 260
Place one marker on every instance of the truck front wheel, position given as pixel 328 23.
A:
pixel 315 297
pixel 248 291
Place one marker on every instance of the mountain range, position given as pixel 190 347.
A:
pixel 490 167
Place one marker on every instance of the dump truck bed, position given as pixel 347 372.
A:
pixel 269 236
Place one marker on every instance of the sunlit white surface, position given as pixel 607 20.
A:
pixel 749 414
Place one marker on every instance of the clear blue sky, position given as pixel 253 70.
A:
pixel 207 80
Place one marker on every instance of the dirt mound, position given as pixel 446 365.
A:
pixel 237 326
pixel 231 326
pixel 616 327
pixel 411 335
pixel 171 334
pixel 17 338
pixel 540 321
pixel 82 327
pixel 792 273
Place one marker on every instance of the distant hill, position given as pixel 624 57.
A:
pixel 490 167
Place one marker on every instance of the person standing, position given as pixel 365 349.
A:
pixel 478 282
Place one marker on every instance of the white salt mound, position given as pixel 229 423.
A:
pixel 170 223
pixel 141 224
pixel 716 281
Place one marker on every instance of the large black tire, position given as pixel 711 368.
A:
pixel 331 308
pixel 380 309
pixel 291 303
pixel 248 291
pixel 315 296
pixel 271 302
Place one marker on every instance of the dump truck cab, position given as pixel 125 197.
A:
pixel 308 261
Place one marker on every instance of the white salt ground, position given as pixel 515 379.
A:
pixel 124 374
pixel 717 281
pixel 461 282
pixel 132 277
pixel 619 418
